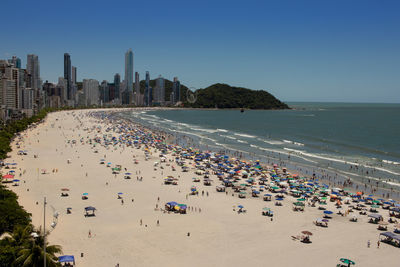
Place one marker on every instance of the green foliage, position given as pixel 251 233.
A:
pixel 225 96
pixel 7 254
pixel 32 254
pixel 11 213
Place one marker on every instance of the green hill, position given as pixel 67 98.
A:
pixel 221 95
pixel 225 96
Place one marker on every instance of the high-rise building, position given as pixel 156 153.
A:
pixel 91 91
pixel 146 90
pixel 74 75
pixel 176 91
pixel 62 88
pixel 104 92
pixel 159 94
pixel 129 71
pixel 33 69
pixel 67 74
pixel 137 90
pixel 117 84
pixel 15 61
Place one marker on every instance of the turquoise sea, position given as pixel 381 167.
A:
pixel 359 141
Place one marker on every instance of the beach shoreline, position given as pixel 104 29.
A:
pixel 128 232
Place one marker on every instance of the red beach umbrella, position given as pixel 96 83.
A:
pixel 8 176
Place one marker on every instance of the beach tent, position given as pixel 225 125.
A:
pixel 375 216
pixel 90 211
pixel 67 259
pixel 391 238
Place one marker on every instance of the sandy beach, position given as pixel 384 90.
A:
pixel 125 229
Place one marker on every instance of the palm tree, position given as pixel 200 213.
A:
pixel 32 255
pixel 20 236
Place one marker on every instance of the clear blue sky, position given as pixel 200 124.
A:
pixel 322 50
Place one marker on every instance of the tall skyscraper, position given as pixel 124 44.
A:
pixel 67 74
pixel 74 75
pixel 15 61
pixel 91 91
pixel 33 69
pixel 104 92
pixel 159 96
pixel 137 90
pixel 176 90
pixel 147 99
pixel 117 84
pixel 129 70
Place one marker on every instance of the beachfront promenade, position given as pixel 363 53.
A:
pixel 80 154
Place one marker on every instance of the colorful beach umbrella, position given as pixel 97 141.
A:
pixel 347 261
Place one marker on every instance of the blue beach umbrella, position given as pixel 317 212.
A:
pixel 120 193
pixel 328 212
pixel 240 206
pixel 85 194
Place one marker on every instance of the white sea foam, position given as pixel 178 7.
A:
pixel 271 142
pixel 222 130
pixel 293 142
pixel 229 137
pixel 203 129
pixel 241 141
pixel 244 135
pixel 323 157
pixel 390 162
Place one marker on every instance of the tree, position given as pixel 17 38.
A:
pixel 32 253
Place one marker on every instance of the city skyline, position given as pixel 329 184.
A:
pixel 308 51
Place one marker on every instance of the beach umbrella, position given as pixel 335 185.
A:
pixel 127 173
pixel 325 220
pixel 64 189
pixel 120 193
pixel 328 212
pixel 301 199
pixel 374 206
pixel 85 194
pixel 15 180
pixel 306 232
pixel 8 176
pixel 347 261
pixel 279 199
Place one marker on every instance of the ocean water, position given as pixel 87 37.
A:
pixel 360 141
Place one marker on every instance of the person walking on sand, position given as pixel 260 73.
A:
pixel 369 244
pixel 379 243
pixel 90 234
